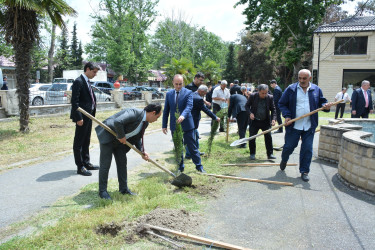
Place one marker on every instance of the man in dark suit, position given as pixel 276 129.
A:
pixel 259 106
pixel 362 101
pixel 236 89
pixel 198 106
pixel 129 125
pixel 198 80
pixel 237 109
pixel 181 99
pixel 277 93
pixel 83 97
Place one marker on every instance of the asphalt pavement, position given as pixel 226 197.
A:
pixel 322 214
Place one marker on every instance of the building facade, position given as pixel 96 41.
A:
pixel 344 55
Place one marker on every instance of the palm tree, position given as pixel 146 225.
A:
pixel 19 22
pixel 184 67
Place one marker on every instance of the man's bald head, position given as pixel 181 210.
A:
pixel 178 82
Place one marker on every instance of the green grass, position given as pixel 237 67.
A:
pixel 47 137
pixel 69 224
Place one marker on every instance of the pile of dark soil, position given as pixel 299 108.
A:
pixel 109 228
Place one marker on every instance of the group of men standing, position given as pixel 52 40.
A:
pixel 259 110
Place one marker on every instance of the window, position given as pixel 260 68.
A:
pixel 351 45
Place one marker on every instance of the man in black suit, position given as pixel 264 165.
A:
pixel 362 101
pixel 236 89
pixel 129 125
pixel 198 106
pixel 277 93
pixel 83 97
pixel 198 80
pixel 237 109
pixel 259 106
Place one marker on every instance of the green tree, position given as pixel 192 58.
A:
pixel 76 50
pixel 230 73
pixel 211 71
pixel 63 59
pixel 255 64
pixel 19 20
pixel 123 29
pixel 184 67
pixel 366 7
pixel 290 22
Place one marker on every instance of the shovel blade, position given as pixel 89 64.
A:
pixel 239 142
pixel 182 180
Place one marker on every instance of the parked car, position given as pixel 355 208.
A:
pixel 62 80
pixel 155 93
pixel 101 96
pixel 131 93
pixel 106 87
pixel 57 93
pixel 37 93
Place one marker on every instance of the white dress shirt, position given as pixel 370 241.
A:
pixel 302 108
pixel 339 97
pixel 218 92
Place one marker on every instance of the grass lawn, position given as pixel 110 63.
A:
pixel 48 137
pixel 71 222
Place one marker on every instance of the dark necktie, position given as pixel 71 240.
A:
pixel 177 92
pixel 92 94
pixel 142 134
pixel 342 96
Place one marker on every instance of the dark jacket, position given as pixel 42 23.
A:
pixel 288 103
pixel 236 89
pixel 81 97
pixel 359 102
pixel 198 106
pixel 237 104
pixel 5 85
pixel 252 105
pixel 185 105
pixel 191 86
pixel 123 122
pixel 277 93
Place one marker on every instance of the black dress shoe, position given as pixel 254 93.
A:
pixel 127 191
pixel 242 146
pixel 89 166
pixel 202 153
pixel 282 165
pixel 105 195
pixel 305 177
pixel 221 130
pixel 84 171
pixel 187 157
pixel 271 157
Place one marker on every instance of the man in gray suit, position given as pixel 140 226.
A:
pixel 237 109
pixel 129 125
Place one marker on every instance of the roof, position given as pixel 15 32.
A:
pixel 158 74
pixel 6 62
pixel 351 24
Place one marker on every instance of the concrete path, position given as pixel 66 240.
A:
pixel 25 191
pixel 321 214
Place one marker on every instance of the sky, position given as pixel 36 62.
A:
pixel 217 16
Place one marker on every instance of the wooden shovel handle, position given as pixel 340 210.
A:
pixel 251 180
pixel 293 120
pixel 196 238
pixel 257 164
pixel 127 143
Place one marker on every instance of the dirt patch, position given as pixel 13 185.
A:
pixel 109 228
pixel 58 126
pixel 180 220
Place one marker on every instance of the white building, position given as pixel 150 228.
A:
pixel 344 55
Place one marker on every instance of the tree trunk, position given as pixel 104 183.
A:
pixel 50 53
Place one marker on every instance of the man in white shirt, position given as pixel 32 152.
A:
pixel 220 99
pixel 342 95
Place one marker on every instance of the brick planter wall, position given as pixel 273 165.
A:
pixel 357 160
pixel 330 140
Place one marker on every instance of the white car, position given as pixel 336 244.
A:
pixel 37 93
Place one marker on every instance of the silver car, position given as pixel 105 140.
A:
pixel 37 93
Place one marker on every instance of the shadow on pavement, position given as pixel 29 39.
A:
pixel 353 193
pixel 325 163
pixel 56 176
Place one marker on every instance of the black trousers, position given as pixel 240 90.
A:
pixel 81 143
pixel 216 108
pixel 363 115
pixel 242 122
pixel 340 107
pixel 278 116
pixel 254 128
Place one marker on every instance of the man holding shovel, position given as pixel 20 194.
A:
pixel 129 125
pixel 299 99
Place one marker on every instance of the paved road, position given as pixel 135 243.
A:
pixel 321 214
pixel 25 191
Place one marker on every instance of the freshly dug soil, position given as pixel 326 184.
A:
pixel 109 228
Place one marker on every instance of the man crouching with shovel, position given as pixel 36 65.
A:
pixel 129 125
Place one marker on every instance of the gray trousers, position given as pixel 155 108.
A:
pixel 119 151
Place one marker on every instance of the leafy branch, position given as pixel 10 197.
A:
pixel 178 140
pixel 221 114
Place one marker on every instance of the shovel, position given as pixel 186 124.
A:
pixel 181 180
pixel 245 140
